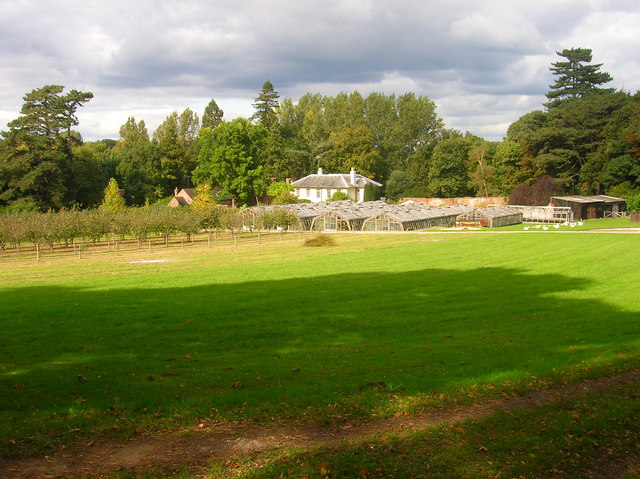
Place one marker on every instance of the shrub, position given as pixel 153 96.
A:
pixel 339 196
pixel 320 240
pixel 633 203
pixel 285 198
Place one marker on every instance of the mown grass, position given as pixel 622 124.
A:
pixel 590 436
pixel 101 347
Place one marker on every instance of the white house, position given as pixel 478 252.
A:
pixel 320 187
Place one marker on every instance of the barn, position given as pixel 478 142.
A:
pixel 592 207
pixel 491 216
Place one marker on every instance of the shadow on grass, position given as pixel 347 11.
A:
pixel 76 362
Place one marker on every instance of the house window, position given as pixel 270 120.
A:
pixel 308 193
pixel 318 193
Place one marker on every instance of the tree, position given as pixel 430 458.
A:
pixel 266 105
pixel 37 153
pixel 481 171
pixel 212 115
pixel 138 161
pixel 537 194
pixel 353 148
pixel 204 199
pixel 448 170
pixel 177 137
pixel 576 79
pixel 230 158
pixel 397 184
pixel 112 200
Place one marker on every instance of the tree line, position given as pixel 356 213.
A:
pixel 586 139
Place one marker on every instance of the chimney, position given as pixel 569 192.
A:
pixel 319 170
pixel 353 176
pixel 175 191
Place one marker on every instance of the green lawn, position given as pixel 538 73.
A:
pixel 281 332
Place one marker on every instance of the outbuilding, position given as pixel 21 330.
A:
pixel 592 207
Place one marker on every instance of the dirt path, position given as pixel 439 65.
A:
pixel 198 445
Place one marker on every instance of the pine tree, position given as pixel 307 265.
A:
pixel 265 105
pixel 575 78
pixel 212 115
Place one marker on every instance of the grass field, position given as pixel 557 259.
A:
pixel 280 332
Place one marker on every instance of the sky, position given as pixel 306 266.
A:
pixel 484 63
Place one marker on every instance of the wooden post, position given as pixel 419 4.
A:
pixel 37 252
pixel 182 244
pixel 235 239
pixel 258 236
pixel 117 249
pixel 209 241
pixel 149 246
pixel 216 238
pixel 74 246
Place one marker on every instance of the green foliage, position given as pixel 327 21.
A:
pixel 278 218
pixel 574 78
pixel 339 196
pixel 277 188
pixel 285 198
pixel 397 184
pixel 448 170
pixel 112 200
pixel 177 139
pixel 231 158
pixel 353 148
pixel 633 203
pixel 266 105
pixel 138 164
pixel 204 197
pixel 212 115
pixel 36 155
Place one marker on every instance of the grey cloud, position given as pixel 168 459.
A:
pixel 454 51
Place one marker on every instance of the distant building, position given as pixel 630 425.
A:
pixel 320 187
pixel 591 207
pixel 184 197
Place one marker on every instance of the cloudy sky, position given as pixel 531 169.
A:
pixel 484 63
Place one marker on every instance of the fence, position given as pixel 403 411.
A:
pixel 118 246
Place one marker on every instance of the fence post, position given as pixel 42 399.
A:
pixel 149 246
pixel 37 252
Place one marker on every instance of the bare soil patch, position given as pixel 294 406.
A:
pixel 202 443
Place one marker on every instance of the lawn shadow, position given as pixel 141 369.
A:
pixel 71 358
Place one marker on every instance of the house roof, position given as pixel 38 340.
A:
pixel 333 180
pixel 191 192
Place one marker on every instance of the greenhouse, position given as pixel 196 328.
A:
pixel 346 215
pixel 412 217
pixel 491 216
